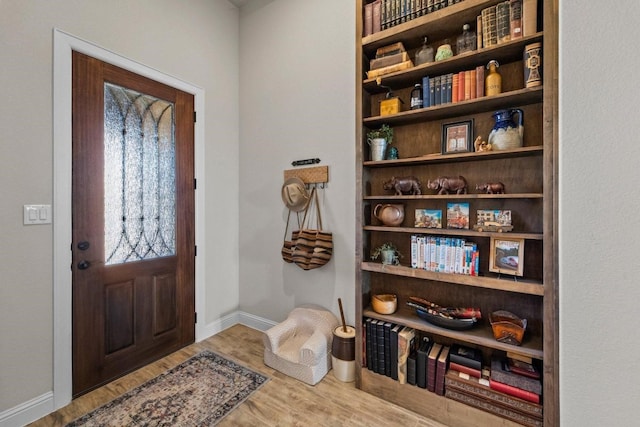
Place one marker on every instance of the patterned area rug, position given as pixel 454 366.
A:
pixel 198 392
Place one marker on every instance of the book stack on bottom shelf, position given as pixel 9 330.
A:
pixel 510 389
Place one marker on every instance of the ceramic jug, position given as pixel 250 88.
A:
pixel 506 133
pixel 389 214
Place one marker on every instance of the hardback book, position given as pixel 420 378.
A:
pixel 380 348
pixel 438 88
pixel 465 369
pixel 522 368
pixel 512 354
pixel 479 31
pixel 514 391
pixel 474 85
pixel 492 408
pixel 387 348
pixel 529 17
pixel 461 79
pixel 421 362
pixel 467 85
pixel 390 49
pixel 467 356
pixel 389 69
pixel 480 81
pixel 393 353
pixel 500 374
pixel 373 366
pixel 385 6
pixel 449 88
pixel 426 99
pixel 432 91
pixel 503 25
pixel 441 369
pixel 454 87
pixel 368 19
pixel 377 15
pixel 405 344
pixel 432 360
pixel 368 341
pixel 411 368
pixel 489 27
pixel 388 60
pixel 515 19
pixel 480 388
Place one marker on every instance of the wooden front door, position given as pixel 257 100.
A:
pixel 133 221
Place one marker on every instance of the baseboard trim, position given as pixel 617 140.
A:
pixel 43 405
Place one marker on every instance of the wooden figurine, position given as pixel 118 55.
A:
pixel 491 187
pixel 481 145
pixel 449 185
pixel 404 185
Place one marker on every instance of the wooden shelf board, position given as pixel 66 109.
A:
pixel 517 97
pixel 480 335
pixel 452 232
pixel 457 158
pixel 521 286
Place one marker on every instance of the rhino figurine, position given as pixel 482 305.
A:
pixel 404 185
pixel 449 185
pixel 491 187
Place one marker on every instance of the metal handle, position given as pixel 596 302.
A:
pixel 83 265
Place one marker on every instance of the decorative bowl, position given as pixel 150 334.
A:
pixel 384 303
pixel 444 322
pixel 507 327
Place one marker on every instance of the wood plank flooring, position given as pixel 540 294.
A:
pixel 283 401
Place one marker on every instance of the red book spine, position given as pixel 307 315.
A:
pixel 465 369
pixel 461 86
pixel 480 81
pixel 454 88
pixel 368 19
pixel 376 23
pixel 473 84
pixel 514 391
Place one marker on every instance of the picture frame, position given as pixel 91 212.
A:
pixel 507 255
pixel 428 218
pixel 457 137
pixel 458 215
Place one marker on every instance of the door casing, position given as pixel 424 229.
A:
pixel 64 44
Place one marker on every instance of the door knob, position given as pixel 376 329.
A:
pixel 83 265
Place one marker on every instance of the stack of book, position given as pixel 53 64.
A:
pixel 443 254
pixel 453 87
pixel 497 390
pixel 508 20
pixel 389 59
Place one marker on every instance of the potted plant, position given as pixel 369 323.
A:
pixel 378 140
pixel 388 253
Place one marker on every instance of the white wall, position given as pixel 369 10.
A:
pixel 297 101
pixel 195 42
pixel 599 207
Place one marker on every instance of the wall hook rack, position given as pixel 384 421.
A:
pixel 313 175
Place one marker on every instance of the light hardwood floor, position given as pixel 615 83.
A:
pixel 283 401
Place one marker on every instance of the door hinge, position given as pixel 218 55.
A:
pixel 195 250
pixel 195 184
pixel 195 317
pixel 194 117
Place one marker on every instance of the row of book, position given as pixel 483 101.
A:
pixel 511 388
pixel 508 20
pixel 453 87
pixel 443 254
pixel 383 14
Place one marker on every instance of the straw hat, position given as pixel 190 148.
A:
pixel 294 194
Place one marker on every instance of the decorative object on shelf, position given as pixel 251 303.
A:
pixel 444 51
pixel 388 253
pixel 384 303
pixel 506 133
pixel 425 54
pixel 532 62
pixel 378 140
pixel 392 153
pixel 390 104
pixel 481 145
pixel 404 185
pixel 446 317
pixel 458 215
pixel 491 187
pixel 294 194
pixel 507 256
pixel 466 41
pixel 314 246
pixel 343 350
pixel 416 97
pixel 389 59
pixel 389 214
pixel 449 185
pixel 428 218
pixel 457 137
pixel 493 220
pixel 493 80
pixel 507 327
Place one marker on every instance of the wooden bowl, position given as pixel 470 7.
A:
pixel 384 303
pixel 507 327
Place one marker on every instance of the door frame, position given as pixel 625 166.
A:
pixel 64 44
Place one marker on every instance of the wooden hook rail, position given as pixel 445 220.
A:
pixel 314 175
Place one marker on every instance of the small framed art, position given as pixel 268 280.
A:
pixel 507 256
pixel 428 218
pixel 458 215
pixel 457 137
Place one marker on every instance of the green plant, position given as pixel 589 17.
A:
pixel 385 132
pixel 387 246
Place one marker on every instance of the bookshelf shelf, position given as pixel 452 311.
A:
pixel 529 177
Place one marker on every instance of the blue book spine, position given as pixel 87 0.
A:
pixel 426 92
pixel 432 92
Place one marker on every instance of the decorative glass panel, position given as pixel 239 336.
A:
pixel 139 176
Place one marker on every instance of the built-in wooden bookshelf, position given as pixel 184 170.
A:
pixel 529 174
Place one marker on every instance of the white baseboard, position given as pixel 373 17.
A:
pixel 40 406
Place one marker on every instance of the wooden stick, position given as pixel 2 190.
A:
pixel 344 324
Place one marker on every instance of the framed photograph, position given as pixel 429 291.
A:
pixel 458 215
pixel 457 137
pixel 427 218
pixel 507 256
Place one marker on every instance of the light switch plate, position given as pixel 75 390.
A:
pixel 37 214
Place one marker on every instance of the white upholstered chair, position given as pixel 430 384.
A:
pixel 300 346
